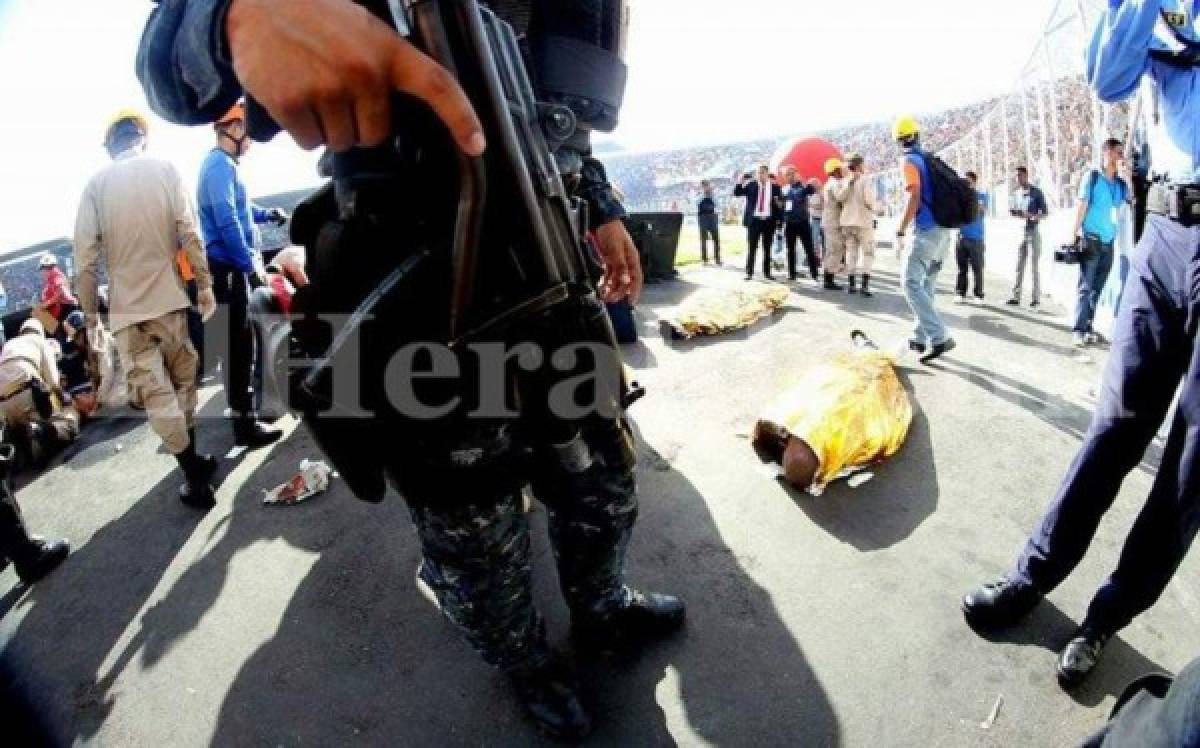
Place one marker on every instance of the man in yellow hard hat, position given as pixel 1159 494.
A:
pixel 227 220
pixel 831 221
pixel 930 247
pixel 135 213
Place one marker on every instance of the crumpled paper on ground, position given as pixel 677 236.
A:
pixel 312 479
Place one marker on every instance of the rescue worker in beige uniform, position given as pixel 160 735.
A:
pixel 831 222
pixel 31 398
pixel 859 211
pixel 136 213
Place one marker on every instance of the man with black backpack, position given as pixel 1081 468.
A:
pixel 1101 195
pixel 928 191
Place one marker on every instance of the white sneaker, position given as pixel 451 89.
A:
pixel 1080 340
pixel 960 299
pixel 1092 338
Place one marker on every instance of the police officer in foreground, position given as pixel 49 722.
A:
pixel 325 70
pixel 1153 349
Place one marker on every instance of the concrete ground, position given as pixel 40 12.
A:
pixel 812 621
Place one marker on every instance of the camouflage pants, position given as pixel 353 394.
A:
pixel 477 554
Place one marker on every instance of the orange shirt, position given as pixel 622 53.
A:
pixel 185 266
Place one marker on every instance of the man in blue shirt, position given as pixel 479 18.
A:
pixel 1032 208
pixel 931 245
pixel 227 219
pixel 1101 196
pixel 1154 351
pixel 970 248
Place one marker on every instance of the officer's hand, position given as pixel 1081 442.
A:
pixel 207 304
pixel 324 70
pixel 622 266
pixel 278 216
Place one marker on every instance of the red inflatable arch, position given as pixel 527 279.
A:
pixel 807 155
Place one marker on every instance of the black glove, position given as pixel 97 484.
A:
pixel 277 216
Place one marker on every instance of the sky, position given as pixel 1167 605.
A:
pixel 701 72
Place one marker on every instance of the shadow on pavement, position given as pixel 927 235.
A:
pixel 360 655
pixel 1054 410
pixel 992 327
pixel 892 505
pixel 1050 629
pixel 79 612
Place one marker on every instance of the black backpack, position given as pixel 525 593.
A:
pixel 955 202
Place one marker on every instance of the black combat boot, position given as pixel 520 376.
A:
pixel 853 284
pixel 866 286
pixel 646 617
pixel 197 491
pixel 547 694
pixel 830 285
pixel 33 557
pixel 249 432
pixel 208 461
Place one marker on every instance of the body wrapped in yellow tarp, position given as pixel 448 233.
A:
pixel 851 411
pixel 713 311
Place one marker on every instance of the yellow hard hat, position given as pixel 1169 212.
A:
pixel 906 127
pixel 833 165
pixel 126 115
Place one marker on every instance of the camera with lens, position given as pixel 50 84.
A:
pixel 1071 254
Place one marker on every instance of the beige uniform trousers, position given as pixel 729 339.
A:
pixel 835 250
pixel 160 366
pixel 860 249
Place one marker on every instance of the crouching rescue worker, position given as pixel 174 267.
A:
pixel 31 399
pixel 325 70
pixel 135 213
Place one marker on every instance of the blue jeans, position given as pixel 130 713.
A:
pixel 1093 273
pixel 929 251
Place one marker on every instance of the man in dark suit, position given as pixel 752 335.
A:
pixel 706 215
pixel 764 200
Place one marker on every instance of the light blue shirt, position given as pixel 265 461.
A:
pixel 1104 198
pixel 1119 57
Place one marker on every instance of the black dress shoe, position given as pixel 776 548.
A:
pixel 548 698
pixel 646 618
pixel 916 347
pixel 999 604
pixel 1080 656
pixel 40 559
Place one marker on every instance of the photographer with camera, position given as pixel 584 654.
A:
pixel 1154 351
pixel 1101 195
